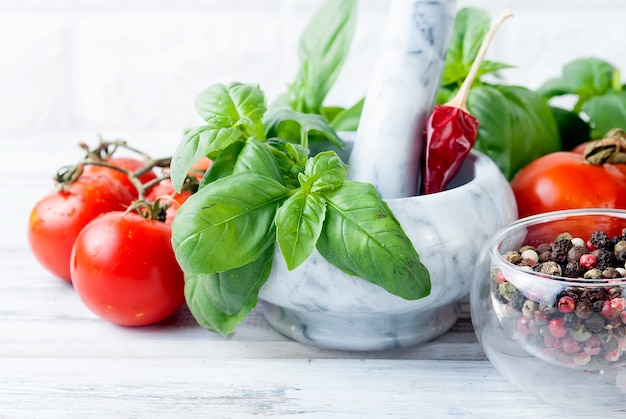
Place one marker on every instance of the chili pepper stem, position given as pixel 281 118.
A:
pixel 460 99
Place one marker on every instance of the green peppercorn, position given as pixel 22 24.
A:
pixel 565 235
pixel 529 307
pixel 594 273
pixel 551 268
pixel 512 256
pixel 620 246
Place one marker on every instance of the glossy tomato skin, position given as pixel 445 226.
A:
pixel 127 163
pixel 164 191
pixel 57 219
pixel 124 270
pixel 564 180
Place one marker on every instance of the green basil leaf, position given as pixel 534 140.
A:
pixel 236 105
pixel 323 172
pixel 299 223
pixel 221 301
pixel 361 237
pixel 290 158
pixel 573 131
pixel 223 165
pixel 323 48
pixel 227 224
pixel 557 86
pixel 606 112
pixel 470 27
pixel 516 125
pixel 589 77
pixel 348 119
pixel 298 126
pixel 256 158
pixel 196 144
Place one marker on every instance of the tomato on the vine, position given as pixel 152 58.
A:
pixel 165 193
pixel 565 180
pixel 58 217
pixel 127 163
pixel 124 270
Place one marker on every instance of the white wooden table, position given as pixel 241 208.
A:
pixel 59 360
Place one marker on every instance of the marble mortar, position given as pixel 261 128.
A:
pixel 320 305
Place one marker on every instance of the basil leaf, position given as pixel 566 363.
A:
pixel 348 119
pixel 516 125
pixel 606 112
pixel 236 105
pixel 256 158
pixel 227 224
pixel 573 131
pixel 323 48
pixel 297 126
pixel 323 172
pixel 290 159
pixel 362 237
pixel 221 301
pixel 298 226
pixel 470 27
pixel 223 165
pixel 196 144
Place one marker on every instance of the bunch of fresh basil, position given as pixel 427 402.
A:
pixel 265 187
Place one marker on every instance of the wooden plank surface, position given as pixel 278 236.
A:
pixel 58 360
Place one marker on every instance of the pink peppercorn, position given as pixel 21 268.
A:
pixel 588 261
pixel 612 355
pixel 566 304
pixel 570 345
pixel 557 328
pixel 500 278
pixel 590 245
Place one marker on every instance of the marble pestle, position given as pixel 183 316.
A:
pixel 402 90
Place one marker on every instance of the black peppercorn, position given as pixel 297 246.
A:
pixel 572 270
pixel 605 259
pixel 560 249
pixel 600 239
pixel 594 323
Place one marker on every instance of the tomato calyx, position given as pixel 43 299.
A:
pixel 610 149
pixel 149 210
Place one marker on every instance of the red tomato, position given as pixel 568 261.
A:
pixel 200 167
pixel 564 180
pixel 127 163
pixel 124 270
pixel 164 191
pixel 56 219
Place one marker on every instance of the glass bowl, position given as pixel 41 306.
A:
pixel 555 329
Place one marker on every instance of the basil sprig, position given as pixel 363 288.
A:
pixel 263 192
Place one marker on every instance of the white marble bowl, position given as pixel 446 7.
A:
pixel 320 305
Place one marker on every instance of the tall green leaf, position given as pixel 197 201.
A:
pixel 323 48
pixel 362 237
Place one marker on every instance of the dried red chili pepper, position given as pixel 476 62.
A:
pixel 450 130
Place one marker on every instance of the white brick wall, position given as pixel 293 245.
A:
pixel 118 65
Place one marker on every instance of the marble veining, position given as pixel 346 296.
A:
pixel 318 304
pixel 400 95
